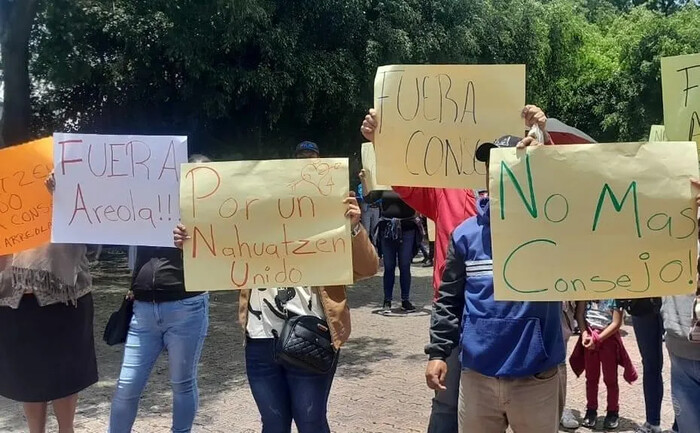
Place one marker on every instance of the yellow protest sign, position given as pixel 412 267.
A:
pixel 594 221
pixel 657 133
pixel 369 164
pixel 25 203
pixel 431 119
pixel 680 80
pixel 263 224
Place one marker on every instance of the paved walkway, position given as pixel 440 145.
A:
pixel 379 388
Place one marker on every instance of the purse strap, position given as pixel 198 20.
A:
pixel 284 316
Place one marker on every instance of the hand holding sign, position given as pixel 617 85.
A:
pixel 535 120
pixel 352 211
pixel 180 235
pixel 50 183
pixel 696 184
pixel 369 125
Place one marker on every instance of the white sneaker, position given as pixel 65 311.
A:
pixel 568 420
pixel 648 428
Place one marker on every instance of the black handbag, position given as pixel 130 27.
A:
pixel 118 324
pixel 305 342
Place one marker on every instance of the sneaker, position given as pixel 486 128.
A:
pixel 428 264
pixel 612 420
pixel 590 419
pixel 568 420
pixel 648 428
pixel 386 307
pixel 407 306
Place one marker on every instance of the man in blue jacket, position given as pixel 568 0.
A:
pixel 510 351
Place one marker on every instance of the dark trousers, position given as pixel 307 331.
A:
pixel 403 251
pixel 284 393
pixel 649 330
pixel 605 356
pixel 443 416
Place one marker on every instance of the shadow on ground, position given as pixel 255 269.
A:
pixel 371 295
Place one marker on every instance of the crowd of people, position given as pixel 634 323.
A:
pixel 499 364
pixel 493 364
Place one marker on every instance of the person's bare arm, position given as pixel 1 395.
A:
pixel 586 337
pixel 581 315
pixel 613 327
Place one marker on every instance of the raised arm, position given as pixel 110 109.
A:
pixel 365 262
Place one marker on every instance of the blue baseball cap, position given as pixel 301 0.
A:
pixel 307 145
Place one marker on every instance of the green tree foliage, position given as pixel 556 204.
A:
pixel 616 93
pixel 250 78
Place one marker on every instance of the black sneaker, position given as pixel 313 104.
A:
pixel 612 421
pixel 386 307
pixel 590 419
pixel 407 306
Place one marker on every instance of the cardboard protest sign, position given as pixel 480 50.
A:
pixel 680 82
pixel 431 119
pixel 657 134
pixel 369 164
pixel 25 203
pixel 263 224
pixel 117 189
pixel 594 221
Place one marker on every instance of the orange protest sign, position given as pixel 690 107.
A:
pixel 25 204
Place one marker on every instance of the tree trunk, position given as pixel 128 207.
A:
pixel 15 27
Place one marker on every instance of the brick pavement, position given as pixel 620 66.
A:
pixel 379 387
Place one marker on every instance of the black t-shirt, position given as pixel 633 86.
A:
pixel 159 276
pixel 393 207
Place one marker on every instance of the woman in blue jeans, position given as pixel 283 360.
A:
pixel 166 317
pixel 398 236
pixel 649 329
pixel 284 392
pixel 677 312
